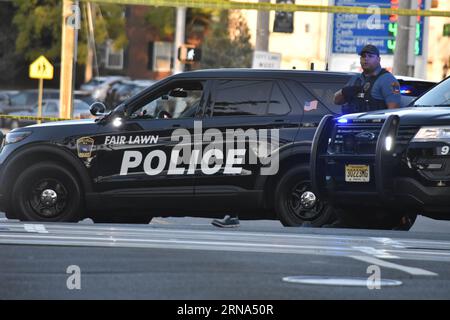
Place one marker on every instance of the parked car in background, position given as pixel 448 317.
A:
pixel 98 86
pixel 23 100
pixel 122 90
pixel 50 108
pixel 412 88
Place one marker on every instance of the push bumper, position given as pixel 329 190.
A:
pixel 385 189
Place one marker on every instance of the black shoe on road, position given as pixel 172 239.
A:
pixel 227 222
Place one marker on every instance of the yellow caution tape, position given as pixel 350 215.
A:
pixel 224 4
pixel 4 116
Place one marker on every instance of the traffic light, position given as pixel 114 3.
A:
pixel 189 54
pixel 284 21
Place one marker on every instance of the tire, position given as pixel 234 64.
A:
pixel 375 218
pixel 47 192
pixel 291 185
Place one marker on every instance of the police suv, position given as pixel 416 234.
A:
pixel 200 143
pixel 384 167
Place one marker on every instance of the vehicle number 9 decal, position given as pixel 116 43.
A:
pixel 445 150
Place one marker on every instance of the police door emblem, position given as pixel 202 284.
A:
pixel 84 147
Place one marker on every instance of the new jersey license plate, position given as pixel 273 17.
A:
pixel 357 173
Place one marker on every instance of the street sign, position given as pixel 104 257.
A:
pixel 189 53
pixel 266 60
pixel 41 68
pixel 351 32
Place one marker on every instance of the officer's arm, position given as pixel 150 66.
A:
pixel 390 89
pixel 339 98
pixel 393 105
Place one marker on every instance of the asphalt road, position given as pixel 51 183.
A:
pixel 187 258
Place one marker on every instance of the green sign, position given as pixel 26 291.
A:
pixel 447 30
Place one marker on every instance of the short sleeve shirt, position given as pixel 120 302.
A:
pixel 385 88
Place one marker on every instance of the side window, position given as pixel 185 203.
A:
pixel 278 104
pixel 32 98
pixel 51 108
pixel 19 99
pixel 241 97
pixel 309 105
pixel 325 92
pixel 176 101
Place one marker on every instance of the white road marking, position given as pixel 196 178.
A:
pixel 389 242
pixel 36 228
pixel 390 265
pixel 379 253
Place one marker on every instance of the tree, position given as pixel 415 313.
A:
pixel 162 19
pixel 228 43
pixel 39 28
pixel 8 57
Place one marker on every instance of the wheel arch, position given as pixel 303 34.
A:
pixel 297 155
pixel 29 155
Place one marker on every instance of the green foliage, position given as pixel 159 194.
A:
pixel 225 49
pixel 8 35
pixel 162 19
pixel 39 25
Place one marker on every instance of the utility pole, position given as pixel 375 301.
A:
pixel 179 38
pixel 262 29
pixel 91 60
pixel 70 25
pixel 404 54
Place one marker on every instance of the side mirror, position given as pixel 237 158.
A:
pixel 97 109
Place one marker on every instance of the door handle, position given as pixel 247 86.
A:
pixel 176 126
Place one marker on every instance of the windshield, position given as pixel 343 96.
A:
pixel 439 96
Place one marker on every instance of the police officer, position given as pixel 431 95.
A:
pixel 374 89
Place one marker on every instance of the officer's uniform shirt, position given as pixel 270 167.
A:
pixel 385 88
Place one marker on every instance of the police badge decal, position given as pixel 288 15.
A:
pixel 84 147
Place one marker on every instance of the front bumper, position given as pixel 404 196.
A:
pixel 387 186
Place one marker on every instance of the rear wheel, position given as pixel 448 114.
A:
pixel 375 218
pixel 47 191
pixel 295 203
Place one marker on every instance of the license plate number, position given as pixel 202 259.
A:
pixel 357 173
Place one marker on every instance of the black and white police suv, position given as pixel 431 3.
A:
pixel 382 167
pixel 200 143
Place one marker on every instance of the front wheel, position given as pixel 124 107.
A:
pixel 49 192
pixel 295 203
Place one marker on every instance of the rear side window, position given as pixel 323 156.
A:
pixel 325 93
pixel 242 98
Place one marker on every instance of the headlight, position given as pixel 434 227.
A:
pixel 13 137
pixel 432 133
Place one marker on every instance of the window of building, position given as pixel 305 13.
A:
pixel 114 58
pixel 162 56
